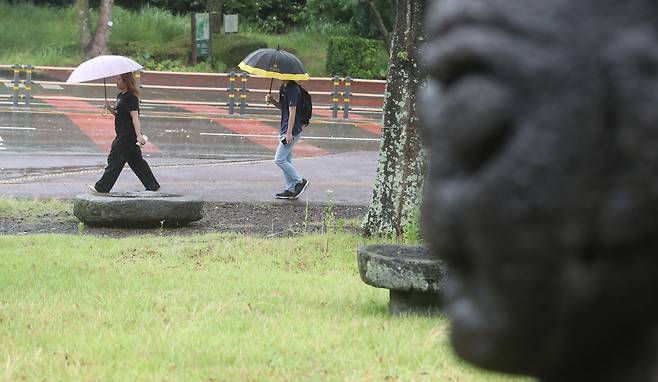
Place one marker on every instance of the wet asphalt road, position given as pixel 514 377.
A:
pixel 54 152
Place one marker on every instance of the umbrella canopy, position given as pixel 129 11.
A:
pixel 274 63
pixel 102 67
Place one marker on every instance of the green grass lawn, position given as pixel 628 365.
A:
pixel 219 307
pixel 214 307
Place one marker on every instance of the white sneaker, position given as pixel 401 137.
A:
pixel 94 190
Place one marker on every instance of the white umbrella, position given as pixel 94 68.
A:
pixel 102 67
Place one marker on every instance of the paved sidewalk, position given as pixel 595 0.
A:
pixel 349 176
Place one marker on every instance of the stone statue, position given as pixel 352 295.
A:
pixel 542 196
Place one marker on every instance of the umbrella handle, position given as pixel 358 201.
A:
pixel 272 80
pixel 104 111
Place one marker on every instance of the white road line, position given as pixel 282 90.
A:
pixel 1 140
pixel 21 104
pixel 51 86
pixel 16 128
pixel 304 137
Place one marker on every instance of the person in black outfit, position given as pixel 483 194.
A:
pixel 126 146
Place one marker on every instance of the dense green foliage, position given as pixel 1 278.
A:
pixel 231 49
pixel 273 15
pixel 356 57
pixel 353 13
pixel 158 39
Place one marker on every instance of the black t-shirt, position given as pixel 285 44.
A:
pixel 290 96
pixel 123 122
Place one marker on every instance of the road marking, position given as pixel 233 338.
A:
pixel 31 103
pixel 256 131
pixel 32 178
pixel 16 128
pixel 51 86
pixel 98 128
pixel 1 140
pixel 303 138
pixel 11 85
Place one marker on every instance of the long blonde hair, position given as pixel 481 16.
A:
pixel 131 85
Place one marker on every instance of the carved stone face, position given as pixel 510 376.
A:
pixel 542 196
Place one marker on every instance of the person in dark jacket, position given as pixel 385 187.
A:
pixel 126 147
pixel 289 98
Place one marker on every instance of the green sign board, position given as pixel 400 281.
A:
pixel 202 36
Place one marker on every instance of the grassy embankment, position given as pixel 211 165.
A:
pixel 211 307
pixel 52 38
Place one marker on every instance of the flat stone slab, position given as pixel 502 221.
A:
pixel 137 209
pixel 413 276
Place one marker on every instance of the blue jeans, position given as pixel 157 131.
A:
pixel 283 159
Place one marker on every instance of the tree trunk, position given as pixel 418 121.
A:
pixel 103 30
pixel 214 7
pixel 380 22
pixel 402 159
pixel 83 18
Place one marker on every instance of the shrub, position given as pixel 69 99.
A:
pixel 356 57
pixel 231 49
pixel 146 53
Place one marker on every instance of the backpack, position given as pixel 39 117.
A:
pixel 305 106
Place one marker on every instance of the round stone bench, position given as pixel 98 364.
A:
pixel 412 275
pixel 137 209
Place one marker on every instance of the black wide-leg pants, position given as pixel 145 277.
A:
pixel 117 158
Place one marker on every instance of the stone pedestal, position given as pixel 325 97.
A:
pixel 412 275
pixel 137 209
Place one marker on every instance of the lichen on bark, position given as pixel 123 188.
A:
pixel 402 159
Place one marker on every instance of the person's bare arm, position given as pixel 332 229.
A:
pixel 292 112
pixel 138 127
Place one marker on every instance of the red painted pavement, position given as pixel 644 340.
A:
pixel 373 127
pixel 251 127
pixel 97 127
pixel 205 109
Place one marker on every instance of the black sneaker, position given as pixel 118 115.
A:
pixel 287 194
pixel 300 188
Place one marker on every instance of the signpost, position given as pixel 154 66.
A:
pixel 200 36
pixel 230 23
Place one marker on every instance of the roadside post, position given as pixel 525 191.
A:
pixel 335 97
pixel 17 86
pixel 231 93
pixel 243 93
pixel 346 97
pixel 28 85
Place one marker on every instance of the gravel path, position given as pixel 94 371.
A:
pixel 262 219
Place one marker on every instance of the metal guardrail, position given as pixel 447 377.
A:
pixel 237 95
